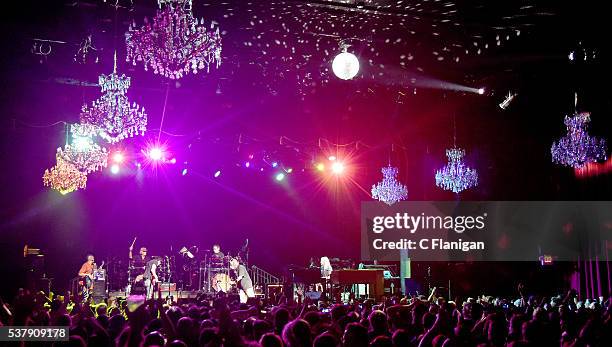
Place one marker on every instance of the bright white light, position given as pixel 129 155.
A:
pixel 156 153
pixel 184 172
pixel 218 173
pixel 280 176
pixel 481 91
pixel 114 169
pixel 345 65
pixel 337 168
pixel 332 158
pixel 81 143
pixel 118 157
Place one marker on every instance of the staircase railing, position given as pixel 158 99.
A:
pixel 262 277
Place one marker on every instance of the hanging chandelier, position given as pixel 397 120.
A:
pixel 455 175
pixel 175 43
pixel 64 177
pixel 389 190
pixel 112 115
pixel 83 153
pixel 578 148
pixel 89 160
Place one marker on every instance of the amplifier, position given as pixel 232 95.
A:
pixel 99 288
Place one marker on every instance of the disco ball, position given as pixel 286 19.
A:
pixel 345 65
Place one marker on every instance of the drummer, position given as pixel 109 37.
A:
pixel 217 256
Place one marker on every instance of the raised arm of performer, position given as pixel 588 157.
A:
pixel 132 249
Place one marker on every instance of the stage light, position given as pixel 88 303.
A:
pixel 481 91
pixel 337 168
pixel 138 165
pixel 156 153
pixel 274 164
pixel 507 100
pixel 280 176
pixel 184 172
pixel 114 169
pixel 332 158
pixel 320 166
pixel 345 65
pixel 218 173
pixel 118 157
pixel 247 164
pixel 289 170
pixel 173 161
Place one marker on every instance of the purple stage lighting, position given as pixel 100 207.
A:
pixel 218 173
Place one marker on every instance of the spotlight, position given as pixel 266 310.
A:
pixel 218 173
pixel 156 153
pixel 289 170
pixel 247 164
pixel 481 91
pixel 332 158
pixel 114 169
pixel 337 168
pixel 504 104
pixel 280 176
pixel 274 164
pixel 345 65
pixel 118 157
pixel 184 172
pixel 173 161
pixel 320 166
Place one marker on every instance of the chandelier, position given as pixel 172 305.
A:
pixel 112 115
pixel 85 155
pixel 455 175
pixel 175 43
pixel 578 148
pixel 86 160
pixel 64 177
pixel 389 190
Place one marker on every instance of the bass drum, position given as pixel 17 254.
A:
pixel 223 283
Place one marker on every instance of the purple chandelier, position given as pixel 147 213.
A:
pixel 112 115
pixel 389 190
pixel 455 175
pixel 578 148
pixel 175 43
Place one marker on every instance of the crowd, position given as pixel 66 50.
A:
pixel 395 321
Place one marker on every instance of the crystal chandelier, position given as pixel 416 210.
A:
pixel 389 190
pixel 112 114
pixel 64 177
pixel 175 43
pixel 85 155
pixel 455 175
pixel 86 160
pixel 578 148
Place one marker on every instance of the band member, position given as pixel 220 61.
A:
pixel 150 276
pixel 326 270
pixel 217 255
pixel 245 285
pixel 86 275
pixel 138 263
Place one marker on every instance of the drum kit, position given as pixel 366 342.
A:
pixel 215 275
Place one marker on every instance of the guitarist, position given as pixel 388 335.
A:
pixel 87 277
pixel 245 285
pixel 150 276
